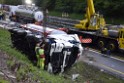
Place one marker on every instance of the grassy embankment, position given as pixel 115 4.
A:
pixel 26 67
pixel 86 72
pixel 2 80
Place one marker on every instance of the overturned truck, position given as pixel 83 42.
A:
pixel 61 49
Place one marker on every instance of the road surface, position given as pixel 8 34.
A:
pixel 104 63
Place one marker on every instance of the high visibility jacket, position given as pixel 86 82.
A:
pixel 40 57
pixel 39 52
pixel 1 13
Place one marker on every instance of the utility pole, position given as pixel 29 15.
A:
pixel 45 17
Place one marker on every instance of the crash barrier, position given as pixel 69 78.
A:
pixel 61 22
pixel 59 57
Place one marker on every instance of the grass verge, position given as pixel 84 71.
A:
pixel 26 69
pixel 2 80
pixel 72 16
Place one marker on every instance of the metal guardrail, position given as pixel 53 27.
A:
pixel 61 22
pixel 54 22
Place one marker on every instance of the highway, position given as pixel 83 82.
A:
pixel 108 64
pixel 105 63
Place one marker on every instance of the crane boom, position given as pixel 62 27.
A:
pixel 91 7
pixel 92 21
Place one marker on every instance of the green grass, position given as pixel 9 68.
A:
pixel 72 16
pixel 26 69
pixel 2 80
pixel 114 20
pixel 26 66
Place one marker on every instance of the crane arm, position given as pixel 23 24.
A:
pixel 90 8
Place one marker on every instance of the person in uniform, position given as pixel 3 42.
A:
pixel 39 49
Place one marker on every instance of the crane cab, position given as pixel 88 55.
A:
pixel 121 39
pixel 94 21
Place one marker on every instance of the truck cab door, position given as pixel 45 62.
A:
pixel 121 39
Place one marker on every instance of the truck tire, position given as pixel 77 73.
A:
pixel 21 32
pixel 10 30
pixel 112 45
pixel 30 37
pixel 101 43
pixel 37 38
pixel 14 30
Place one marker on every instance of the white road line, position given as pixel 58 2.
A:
pixel 114 70
pixel 98 52
pixel 117 59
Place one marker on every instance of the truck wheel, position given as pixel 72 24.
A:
pixel 37 38
pixel 101 43
pixel 14 30
pixel 30 37
pixel 21 32
pixel 10 30
pixel 112 46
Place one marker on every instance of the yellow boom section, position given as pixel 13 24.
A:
pixel 93 21
pixel 91 7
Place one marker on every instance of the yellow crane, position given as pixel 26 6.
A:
pixel 103 36
pixel 93 20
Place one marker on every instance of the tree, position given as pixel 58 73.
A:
pixel 13 2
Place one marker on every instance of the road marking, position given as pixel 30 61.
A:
pixel 106 68
pixel 98 52
pixel 112 69
pixel 117 59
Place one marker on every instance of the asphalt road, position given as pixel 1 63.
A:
pixel 104 63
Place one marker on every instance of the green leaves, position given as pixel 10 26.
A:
pixel 113 8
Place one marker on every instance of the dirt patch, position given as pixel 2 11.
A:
pixel 14 71
pixel 5 72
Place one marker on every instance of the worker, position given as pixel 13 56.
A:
pixel 104 50
pixel 40 55
pixel 108 52
pixel 1 15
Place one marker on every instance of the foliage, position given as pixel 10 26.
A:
pixel 13 2
pixel 112 8
pixel 3 81
pixel 71 15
